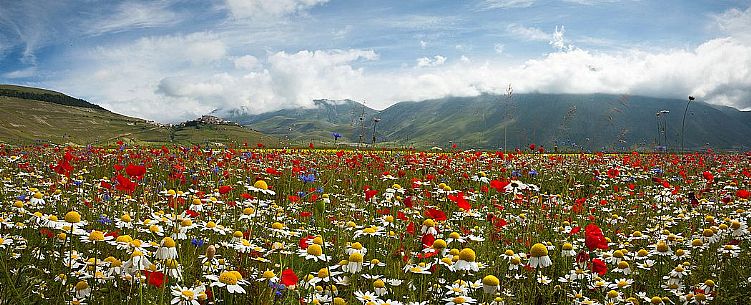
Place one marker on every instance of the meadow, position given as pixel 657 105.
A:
pixel 250 225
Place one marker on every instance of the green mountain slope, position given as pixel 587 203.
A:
pixel 314 124
pixel 31 115
pixel 570 121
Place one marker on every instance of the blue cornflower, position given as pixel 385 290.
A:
pixel 533 172
pixel 309 178
pixel 196 242
pixel 104 220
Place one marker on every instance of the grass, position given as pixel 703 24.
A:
pixel 28 121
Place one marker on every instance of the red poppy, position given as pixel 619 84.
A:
pixel 460 201
pixel 743 194
pixel 304 241
pixel 428 240
pixel 369 194
pixel 155 278
pixel 582 257
pixel 499 185
pixel 599 267
pixel 408 202
pixel 593 238
pixel 401 216
pixel 224 189
pixel 105 184
pixel 124 184
pixel 136 171
pixel 46 232
pixel 435 214
pixel 289 278
pixel 411 228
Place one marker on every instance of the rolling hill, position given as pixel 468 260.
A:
pixel 570 121
pixel 32 115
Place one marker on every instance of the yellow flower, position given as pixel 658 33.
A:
pixel 314 250
pixel 355 257
pixel 467 254
pixel 228 278
pixel 439 244
pixel 491 280
pixel 73 217
pixel 96 235
pixel 538 250
pixel 168 242
pixel 260 184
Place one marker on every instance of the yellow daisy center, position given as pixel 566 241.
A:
pixel 538 250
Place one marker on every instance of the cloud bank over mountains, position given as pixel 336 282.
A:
pixel 166 74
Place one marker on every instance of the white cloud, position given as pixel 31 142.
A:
pixel 527 33
pixel 246 62
pixel 558 41
pixel 139 78
pixel 264 9
pixel 504 4
pixel 134 15
pixel 430 62
pixel 173 78
pixel 423 44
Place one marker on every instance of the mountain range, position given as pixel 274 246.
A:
pixel 567 122
pixel 564 121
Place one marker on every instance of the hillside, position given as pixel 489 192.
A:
pixel 31 115
pixel 313 124
pixel 572 121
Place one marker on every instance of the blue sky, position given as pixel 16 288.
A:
pixel 173 60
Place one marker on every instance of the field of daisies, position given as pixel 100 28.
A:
pixel 191 225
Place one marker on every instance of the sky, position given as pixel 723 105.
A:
pixel 174 60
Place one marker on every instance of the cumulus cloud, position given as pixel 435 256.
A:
pixel 437 60
pixel 263 9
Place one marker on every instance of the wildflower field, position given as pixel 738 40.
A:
pixel 193 225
